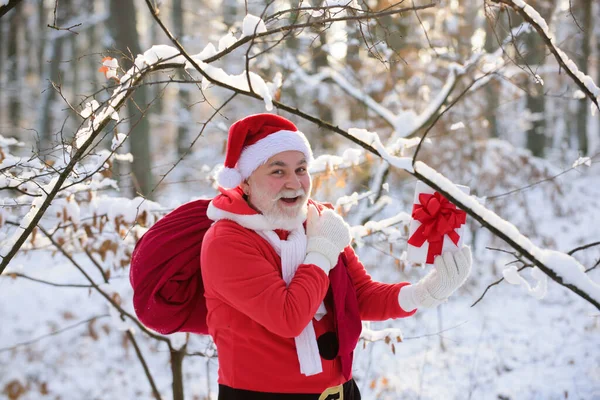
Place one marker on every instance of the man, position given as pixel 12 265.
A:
pixel 284 289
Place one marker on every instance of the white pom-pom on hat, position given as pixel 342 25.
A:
pixel 229 178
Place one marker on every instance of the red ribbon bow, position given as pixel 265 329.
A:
pixel 438 217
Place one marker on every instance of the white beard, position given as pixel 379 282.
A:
pixel 287 219
pixel 278 221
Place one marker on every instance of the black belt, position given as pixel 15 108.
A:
pixel 347 391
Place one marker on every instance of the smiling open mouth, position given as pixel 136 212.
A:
pixel 291 200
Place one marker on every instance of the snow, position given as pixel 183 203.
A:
pixel 587 161
pixel 571 272
pixel 513 277
pixel 239 81
pixel 118 141
pixel 207 52
pixel 252 25
pixel 227 41
pixel 372 139
pixel 90 108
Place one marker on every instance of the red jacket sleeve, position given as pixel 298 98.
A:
pixel 376 301
pixel 235 270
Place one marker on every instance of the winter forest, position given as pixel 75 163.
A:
pixel 115 112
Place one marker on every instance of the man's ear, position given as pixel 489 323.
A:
pixel 245 186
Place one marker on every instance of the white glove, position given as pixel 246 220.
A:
pixel 451 271
pixel 327 235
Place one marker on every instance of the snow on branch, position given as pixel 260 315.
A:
pixel 585 82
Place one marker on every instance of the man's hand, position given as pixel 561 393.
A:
pixel 451 271
pixel 327 235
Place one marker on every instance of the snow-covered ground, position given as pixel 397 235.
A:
pixel 509 346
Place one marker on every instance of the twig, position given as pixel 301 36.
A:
pixel 585 246
pixel 102 293
pixel 144 365
pixel 571 252
pixel 434 334
pixel 363 16
pixel 535 183
pixel 20 275
pixel 438 116
pixel 28 342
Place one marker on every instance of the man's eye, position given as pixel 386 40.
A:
pixel 301 170
pixel 277 172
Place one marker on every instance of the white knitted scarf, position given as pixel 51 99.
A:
pixel 292 252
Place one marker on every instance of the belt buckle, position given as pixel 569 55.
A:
pixel 333 393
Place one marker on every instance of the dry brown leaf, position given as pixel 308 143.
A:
pixel 14 389
pixel 68 315
pixel 44 389
pixel 116 297
pixel 142 219
pixel 88 230
pixel 92 330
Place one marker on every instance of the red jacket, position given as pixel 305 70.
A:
pixel 252 315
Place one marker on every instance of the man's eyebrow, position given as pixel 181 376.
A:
pixel 282 164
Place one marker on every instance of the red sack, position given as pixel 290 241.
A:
pixel 168 293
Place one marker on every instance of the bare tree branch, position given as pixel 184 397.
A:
pixel 20 275
pixel 6 8
pixel 31 341
pixel 140 356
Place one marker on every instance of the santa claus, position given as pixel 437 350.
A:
pixel 285 292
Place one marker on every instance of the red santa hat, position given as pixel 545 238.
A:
pixel 255 139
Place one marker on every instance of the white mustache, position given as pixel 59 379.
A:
pixel 290 194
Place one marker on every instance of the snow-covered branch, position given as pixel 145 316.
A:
pixel 83 140
pixel 529 14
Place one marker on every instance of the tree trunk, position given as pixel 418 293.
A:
pixel 353 59
pixel 177 372
pixel 14 67
pixel 93 61
pixel 42 36
pixel 183 120
pixel 583 55
pixel 533 56
pixel 598 64
pixel 51 74
pixel 319 60
pixel 3 80
pixel 158 104
pixel 123 23
pixel 491 89
pixel 229 12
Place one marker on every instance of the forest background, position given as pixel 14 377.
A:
pixel 114 112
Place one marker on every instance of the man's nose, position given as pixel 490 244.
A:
pixel 293 182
